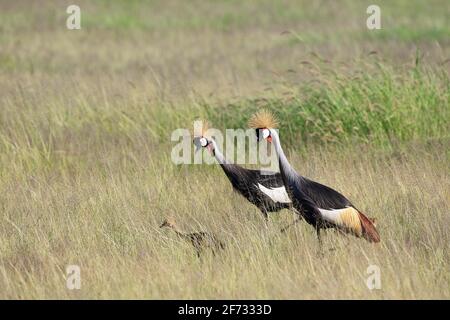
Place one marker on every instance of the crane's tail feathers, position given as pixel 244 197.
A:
pixel 369 231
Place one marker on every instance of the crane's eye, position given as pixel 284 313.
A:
pixel 265 133
pixel 203 142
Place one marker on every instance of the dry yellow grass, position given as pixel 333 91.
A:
pixel 107 223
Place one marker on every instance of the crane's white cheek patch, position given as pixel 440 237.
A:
pixel 346 217
pixel 276 194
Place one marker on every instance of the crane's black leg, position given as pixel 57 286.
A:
pixel 345 235
pixel 320 240
pixel 266 218
pixel 297 218
pixel 290 224
pixel 318 236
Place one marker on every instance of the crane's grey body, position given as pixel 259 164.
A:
pixel 264 189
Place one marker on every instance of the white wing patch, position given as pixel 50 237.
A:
pixel 276 194
pixel 346 217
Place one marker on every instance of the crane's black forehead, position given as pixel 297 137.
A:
pixel 259 132
pixel 196 141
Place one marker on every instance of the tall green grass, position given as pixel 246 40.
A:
pixel 382 108
pixel 379 108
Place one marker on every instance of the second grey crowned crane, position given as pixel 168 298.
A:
pixel 265 189
pixel 320 206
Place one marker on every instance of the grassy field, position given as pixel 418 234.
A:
pixel 86 116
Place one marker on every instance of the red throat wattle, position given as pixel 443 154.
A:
pixel 269 138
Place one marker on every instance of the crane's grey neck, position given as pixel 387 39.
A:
pixel 285 166
pixel 218 154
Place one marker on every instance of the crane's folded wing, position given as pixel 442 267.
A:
pixel 278 194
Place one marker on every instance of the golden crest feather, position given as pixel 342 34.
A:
pixel 202 131
pixel 263 119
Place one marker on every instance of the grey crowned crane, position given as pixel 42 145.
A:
pixel 265 189
pixel 199 240
pixel 320 206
